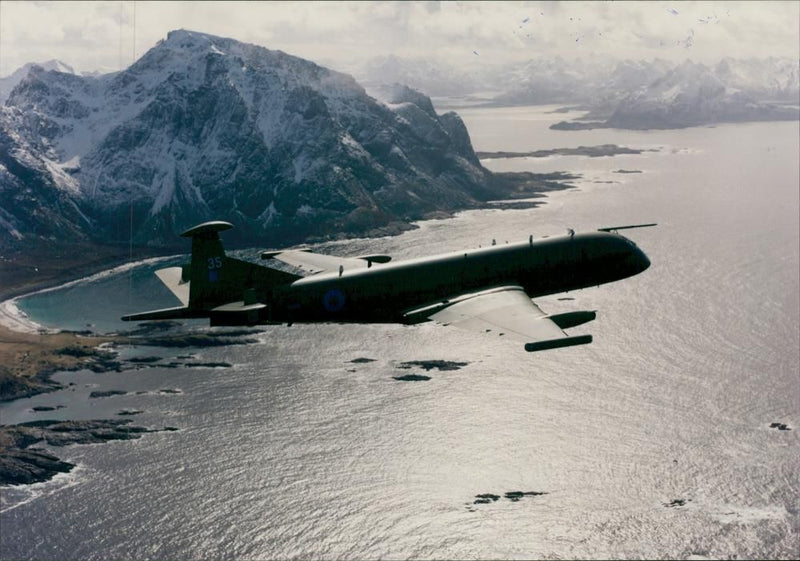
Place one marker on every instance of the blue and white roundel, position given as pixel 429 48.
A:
pixel 333 301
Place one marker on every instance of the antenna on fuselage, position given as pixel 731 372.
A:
pixel 613 229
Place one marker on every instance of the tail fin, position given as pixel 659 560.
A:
pixel 209 277
pixel 227 290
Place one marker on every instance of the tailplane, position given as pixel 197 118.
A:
pixel 229 291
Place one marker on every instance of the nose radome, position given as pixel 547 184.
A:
pixel 643 260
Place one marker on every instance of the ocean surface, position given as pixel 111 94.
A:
pixel 652 442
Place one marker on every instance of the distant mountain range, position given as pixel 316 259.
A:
pixel 10 82
pixel 205 127
pixel 693 94
pixel 620 94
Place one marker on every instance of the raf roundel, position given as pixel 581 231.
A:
pixel 333 301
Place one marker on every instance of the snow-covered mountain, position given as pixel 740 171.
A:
pixel 553 80
pixel 9 82
pixel 764 79
pixel 205 127
pixel 693 94
pixel 657 89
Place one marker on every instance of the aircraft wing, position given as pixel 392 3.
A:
pixel 313 263
pixel 509 313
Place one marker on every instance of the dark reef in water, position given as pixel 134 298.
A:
pixel 129 412
pixel 513 496
pixel 20 464
pixel 107 393
pixel 144 359
pixel 412 378
pixel 428 365
pixel 676 502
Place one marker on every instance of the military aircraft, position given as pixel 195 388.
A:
pixel 487 289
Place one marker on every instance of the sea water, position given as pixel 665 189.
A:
pixel 652 442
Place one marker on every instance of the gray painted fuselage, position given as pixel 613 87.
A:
pixel 385 293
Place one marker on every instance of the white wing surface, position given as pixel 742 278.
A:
pixel 313 263
pixel 508 312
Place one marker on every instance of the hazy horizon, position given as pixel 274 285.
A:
pixel 109 36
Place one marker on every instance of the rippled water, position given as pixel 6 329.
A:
pixel 297 451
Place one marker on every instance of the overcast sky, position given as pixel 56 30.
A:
pixel 107 36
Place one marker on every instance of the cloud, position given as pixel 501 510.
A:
pixel 103 36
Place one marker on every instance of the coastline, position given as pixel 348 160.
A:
pixel 31 354
pixel 22 338
pixel 30 269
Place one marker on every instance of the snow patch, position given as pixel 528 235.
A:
pixel 6 225
pixel 165 193
pixel 62 179
pixel 269 214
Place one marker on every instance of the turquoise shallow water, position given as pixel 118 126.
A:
pixel 296 451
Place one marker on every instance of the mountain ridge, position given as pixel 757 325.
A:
pixel 203 126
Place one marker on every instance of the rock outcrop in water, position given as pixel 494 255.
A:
pixel 20 464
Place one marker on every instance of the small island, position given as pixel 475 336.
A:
pixel 590 151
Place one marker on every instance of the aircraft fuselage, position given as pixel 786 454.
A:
pixel 386 293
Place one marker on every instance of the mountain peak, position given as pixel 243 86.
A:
pixel 203 126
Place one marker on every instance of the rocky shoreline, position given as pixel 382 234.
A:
pixel 23 463
pixel 34 358
pixel 29 360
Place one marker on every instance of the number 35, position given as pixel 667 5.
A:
pixel 215 262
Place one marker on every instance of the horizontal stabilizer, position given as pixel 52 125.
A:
pixel 181 312
pixel 172 277
pixel 209 229
pixel 238 308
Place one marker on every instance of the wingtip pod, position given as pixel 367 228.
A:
pixel 205 228
pixel 558 343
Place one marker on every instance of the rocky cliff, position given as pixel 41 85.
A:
pixel 205 127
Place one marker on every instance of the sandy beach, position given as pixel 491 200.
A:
pixel 29 353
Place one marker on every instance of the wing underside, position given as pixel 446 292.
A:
pixel 507 312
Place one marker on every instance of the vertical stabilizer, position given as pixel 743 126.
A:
pixel 228 291
pixel 210 277
pixel 217 280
